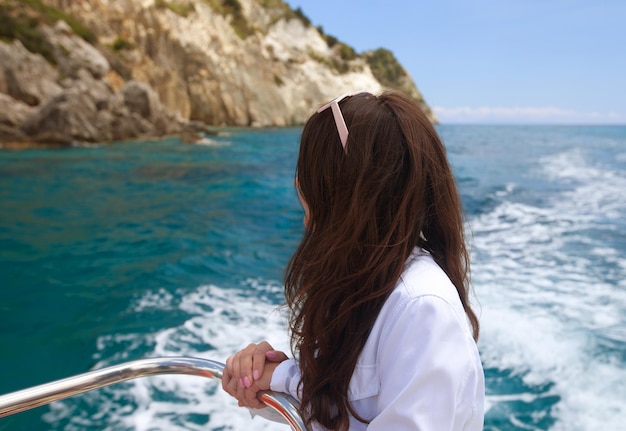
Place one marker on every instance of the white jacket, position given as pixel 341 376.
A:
pixel 420 368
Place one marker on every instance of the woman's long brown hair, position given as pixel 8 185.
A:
pixel 392 190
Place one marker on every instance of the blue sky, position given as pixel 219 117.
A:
pixel 496 61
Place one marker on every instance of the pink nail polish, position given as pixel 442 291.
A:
pixel 256 374
pixel 246 382
pixel 241 383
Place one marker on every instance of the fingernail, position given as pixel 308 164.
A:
pixel 270 355
pixel 256 374
pixel 246 382
pixel 241 383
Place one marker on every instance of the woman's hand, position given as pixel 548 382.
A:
pixel 250 371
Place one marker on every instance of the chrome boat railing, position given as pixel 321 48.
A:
pixel 36 396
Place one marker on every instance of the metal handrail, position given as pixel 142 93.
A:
pixel 36 396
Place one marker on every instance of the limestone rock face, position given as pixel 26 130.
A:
pixel 157 67
pixel 13 112
pixel 72 114
pixel 25 76
pixel 73 53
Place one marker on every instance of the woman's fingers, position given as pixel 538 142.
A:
pixel 245 397
pixel 250 363
pixel 259 358
pixel 229 384
pixel 250 398
pixel 245 368
pixel 246 360
pixel 275 356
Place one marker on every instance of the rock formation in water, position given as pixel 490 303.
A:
pixel 76 71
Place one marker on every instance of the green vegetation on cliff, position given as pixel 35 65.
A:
pixel 298 14
pixel 182 9
pixel 345 53
pixel 121 44
pixel 49 15
pixel 21 19
pixel 233 9
pixel 24 28
pixel 385 67
pixel 241 25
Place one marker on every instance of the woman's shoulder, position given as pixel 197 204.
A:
pixel 423 298
pixel 423 277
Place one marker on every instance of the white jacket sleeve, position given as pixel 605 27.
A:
pixel 430 374
pixel 286 378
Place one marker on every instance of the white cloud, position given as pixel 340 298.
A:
pixel 546 114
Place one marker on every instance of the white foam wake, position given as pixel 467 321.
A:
pixel 552 288
pixel 222 321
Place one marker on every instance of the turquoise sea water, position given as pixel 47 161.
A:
pixel 132 250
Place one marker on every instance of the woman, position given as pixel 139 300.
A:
pixel 381 324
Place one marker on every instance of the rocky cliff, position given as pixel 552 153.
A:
pixel 77 71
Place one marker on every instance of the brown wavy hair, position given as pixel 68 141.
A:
pixel 392 190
